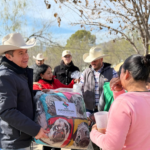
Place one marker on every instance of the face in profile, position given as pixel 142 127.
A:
pixel 67 59
pixel 48 75
pixel 20 57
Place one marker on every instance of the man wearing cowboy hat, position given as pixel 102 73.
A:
pixel 16 99
pixel 93 78
pixel 66 68
pixel 39 60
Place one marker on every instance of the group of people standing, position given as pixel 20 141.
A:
pixel 128 120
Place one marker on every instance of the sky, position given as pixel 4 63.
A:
pixel 36 14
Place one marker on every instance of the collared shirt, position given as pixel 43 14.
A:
pixel 96 78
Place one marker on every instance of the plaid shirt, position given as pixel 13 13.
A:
pixel 96 78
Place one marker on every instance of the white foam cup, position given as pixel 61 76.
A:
pixel 101 119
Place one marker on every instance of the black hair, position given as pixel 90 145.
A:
pixel 41 70
pixel 119 72
pixel 138 66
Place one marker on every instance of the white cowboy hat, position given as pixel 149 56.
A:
pixel 66 52
pixel 14 41
pixel 94 54
pixel 39 56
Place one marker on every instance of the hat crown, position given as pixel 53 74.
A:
pixel 94 54
pixel 40 55
pixel 14 39
pixel 94 51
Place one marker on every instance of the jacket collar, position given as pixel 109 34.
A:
pixel 45 82
pixel 106 66
pixel 63 66
pixel 11 65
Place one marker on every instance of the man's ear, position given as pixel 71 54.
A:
pixel 9 57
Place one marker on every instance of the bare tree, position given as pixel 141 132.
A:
pixel 120 17
pixel 15 18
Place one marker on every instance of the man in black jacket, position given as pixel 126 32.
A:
pixel 39 60
pixel 66 68
pixel 16 98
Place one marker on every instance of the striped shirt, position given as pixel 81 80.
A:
pixel 96 78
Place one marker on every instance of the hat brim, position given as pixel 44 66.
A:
pixel 88 59
pixel 66 54
pixel 38 58
pixel 5 48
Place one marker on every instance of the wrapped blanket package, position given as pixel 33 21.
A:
pixel 62 112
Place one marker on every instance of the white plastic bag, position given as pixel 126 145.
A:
pixel 76 75
pixel 76 87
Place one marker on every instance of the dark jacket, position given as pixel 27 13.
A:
pixel 89 84
pixel 35 68
pixel 16 106
pixel 63 72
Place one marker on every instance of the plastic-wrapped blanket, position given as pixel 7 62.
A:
pixel 62 113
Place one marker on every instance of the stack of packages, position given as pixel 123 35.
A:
pixel 62 112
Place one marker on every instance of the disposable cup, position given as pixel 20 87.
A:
pixel 101 119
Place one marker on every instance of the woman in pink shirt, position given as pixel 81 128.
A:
pixel 129 116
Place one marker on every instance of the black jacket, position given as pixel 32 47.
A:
pixel 16 106
pixel 63 72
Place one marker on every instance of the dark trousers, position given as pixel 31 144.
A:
pixel 49 148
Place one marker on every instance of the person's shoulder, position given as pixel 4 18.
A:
pixel 57 68
pixel 33 66
pixel 128 98
pixel 87 70
pixel 76 68
pixel 55 80
pixel 4 71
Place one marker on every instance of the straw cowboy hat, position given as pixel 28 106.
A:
pixel 39 56
pixel 14 41
pixel 94 54
pixel 117 67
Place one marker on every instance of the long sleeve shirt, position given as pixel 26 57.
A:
pixel 128 123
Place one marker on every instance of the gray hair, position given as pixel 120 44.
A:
pixel 10 52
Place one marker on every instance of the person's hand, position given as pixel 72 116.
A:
pixel 102 131
pixel 89 121
pixel 115 84
pixel 76 80
pixel 94 127
pixel 42 134
pixel 45 90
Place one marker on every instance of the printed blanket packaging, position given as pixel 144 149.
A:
pixel 62 112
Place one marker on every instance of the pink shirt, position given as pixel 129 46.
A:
pixel 128 123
